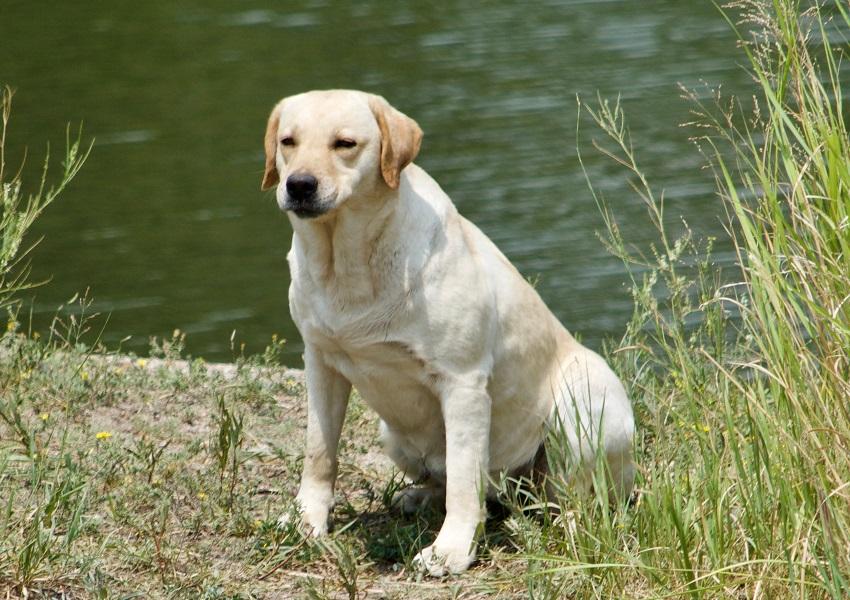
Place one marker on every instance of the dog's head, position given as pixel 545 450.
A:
pixel 324 148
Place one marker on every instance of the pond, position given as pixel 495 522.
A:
pixel 167 228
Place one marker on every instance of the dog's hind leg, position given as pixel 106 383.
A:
pixel 419 497
pixel 592 421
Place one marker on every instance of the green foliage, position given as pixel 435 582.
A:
pixel 740 381
pixel 20 210
pixel 227 443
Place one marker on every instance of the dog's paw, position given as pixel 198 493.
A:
pixel 439 562
pixel 313 521
pixel 412 499
pixel 288 520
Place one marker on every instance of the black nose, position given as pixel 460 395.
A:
pixel 301 186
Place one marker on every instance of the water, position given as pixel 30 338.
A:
pixel 166 224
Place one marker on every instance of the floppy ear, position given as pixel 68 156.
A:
pixel 271 176
pixel 400 139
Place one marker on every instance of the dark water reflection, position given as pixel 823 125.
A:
pixel 167 227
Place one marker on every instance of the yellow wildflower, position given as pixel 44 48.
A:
pixel 11 326
pixel 103 435
pixel 44 416
pixel 202 496
pixel 84 375
pixel 142 362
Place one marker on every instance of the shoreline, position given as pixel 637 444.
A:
pixel 228 371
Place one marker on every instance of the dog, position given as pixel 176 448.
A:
pixel 397 294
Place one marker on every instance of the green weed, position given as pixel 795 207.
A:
pixel 227 444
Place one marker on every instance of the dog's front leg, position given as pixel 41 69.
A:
pixel 466 413
pixel 327 400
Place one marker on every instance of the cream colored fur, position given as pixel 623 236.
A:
pixel 396 293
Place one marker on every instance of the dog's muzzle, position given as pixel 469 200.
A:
pixel 301 198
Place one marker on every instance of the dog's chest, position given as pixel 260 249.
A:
pixel 368 346
pixel 372 335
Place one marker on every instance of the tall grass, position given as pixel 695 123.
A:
pixel 742 385
pixel 55 493
pixel 18 210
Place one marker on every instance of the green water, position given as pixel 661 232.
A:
pixel 166 224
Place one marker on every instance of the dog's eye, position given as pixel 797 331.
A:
pixel 287 141
pixel 344 143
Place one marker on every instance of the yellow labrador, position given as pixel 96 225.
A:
pixel 397 294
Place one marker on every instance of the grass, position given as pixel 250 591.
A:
pixel 19 211
pixel 124 477
pixel 130 477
